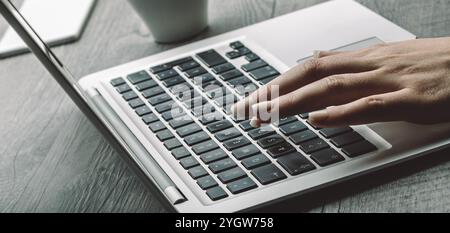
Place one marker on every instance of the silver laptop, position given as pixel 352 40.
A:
pixel 169 118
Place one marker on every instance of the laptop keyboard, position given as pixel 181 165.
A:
pixel 266 155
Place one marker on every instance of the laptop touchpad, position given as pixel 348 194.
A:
pixel 353 46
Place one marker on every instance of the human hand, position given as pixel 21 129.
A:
pixel 404 81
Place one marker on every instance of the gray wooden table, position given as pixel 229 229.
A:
pixel 53 160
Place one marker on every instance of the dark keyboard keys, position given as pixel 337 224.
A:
pixel 223 68
pixel 188 130
pixel 222 165
pixel 172 144
pixel 247 89
pixel 196 138
pixel 303 136
pixel 166 74
pixel 170 82
pixel 174 113
pixel 261 132
pixel 213 156
pixel 141 111
pixel 245 125
pixel 197 172
pixel 195 72
pixel 210 118
pixel 216 193
pixel 206 182
pixel 346 139
pixel 138 77
pixel 211 58
pixel 218 126
pixel 233 54
pixel 236 143
pixel 263 73
pixel 268 174
pixel 296 164
pixel 180 153
pixel 152 92
pixel 123 88
pixel 150 118
pixel 241 185
pixel 146 85
pixel 241 81
pixel 357 149
pixel 293 128
pixel 304 115
pixel 129 96
pixel 159 99
pixel 285 121
pixel 189 162
pixel 231 175
pixel 244 51
pixel 205 147
pixel 164 107
pixel 156 126
pixel 164 135
pixel 236 45
pixel 254 65
pixel 117 82
pixel 270 141
pixel 181 121
pixel 327 157
pixel 164 67
pixel 227 134
pixel 230 75
pixel 136 103
pixel 267 80
pixel 255 161
pixel 314 145
pixel 245 152
pixel 203 79
pixel 188 65
pixel 332 132
pixel 251 57
pixel 280 150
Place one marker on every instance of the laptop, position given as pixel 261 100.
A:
pixel 168 115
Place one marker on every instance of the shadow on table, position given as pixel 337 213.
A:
pixel 339 191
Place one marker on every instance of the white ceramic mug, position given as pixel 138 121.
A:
pixel 173 20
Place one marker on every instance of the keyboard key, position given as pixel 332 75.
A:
pixel 293 128
pixel 332 132
pixel 231 175
pixel 170 65
pixel 196 138
pixel 268 174
pixel 244 51
pixel 268 80
pixel 164 135
pixel 153 92
pixel 180 153
pixel 245 152
pixel 156 126
pixel 123 88
pixel 222 165
pixel 164 107
pixel 263 73
pixel 251 57
pixel 223 68
pixel 166 74
pixel 197 172
pixel 255 161
pixel 227 134
pixel 280 150
pixel 254 65
pixel 203 110
pixel 236 45
pixel 195 72
pixel 241 185
pixel 296 164
pixel 219 126
pixel 216 193
pixel 241 81
pixel 206 182
pixel 313 146
pixel 261 132
pixel 136 103
pixel 304 115
pixel 172 144
pixel 211 58
pixel 150 118
pixel 346 139
pixel 327 157
pixel 230 75
pixel 188 130
pixel 181 121
pixel 138 77
pixel 233 54
pixel 159 99
pixel 143 111
pixel 189 162
pixel 303 136
pixel 246 125
pixel 174 113
pixel 284 121
pixel 236 143
pixel 270 141
pixel 246 90
pixel 129 96
pixel 146 85
pixel 213 156
pixel 188 65
pixel 117 82
pixel 360 148
pixel 170 82
pixel 203 79
pixel 226 100
pixel 205 147
pixel 210 118
pixel 195 103
pixel 315 127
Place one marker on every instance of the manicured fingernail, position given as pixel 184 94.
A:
pixel 318 117
pixel 255 123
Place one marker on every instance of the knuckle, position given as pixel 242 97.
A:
pixel 375 102
pixel 334 83
pixel 312 66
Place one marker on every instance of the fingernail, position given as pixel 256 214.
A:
pixel 318 116
pixel 255 123
pixel 316 54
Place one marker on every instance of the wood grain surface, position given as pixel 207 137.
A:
pixel 53 160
